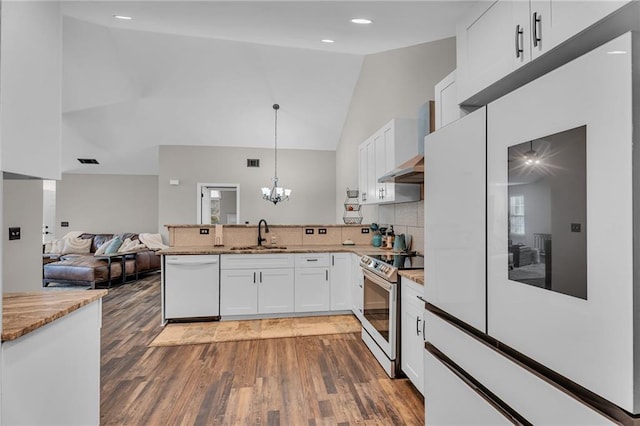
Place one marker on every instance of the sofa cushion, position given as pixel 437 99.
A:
pixel 76 246
pixel 82 268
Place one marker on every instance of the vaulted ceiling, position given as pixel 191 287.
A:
pixel 207 73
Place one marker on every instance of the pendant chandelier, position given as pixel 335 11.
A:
pixel 275 194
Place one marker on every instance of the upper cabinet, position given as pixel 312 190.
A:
pixel 30 78
pixel 393 144
pixel 498 38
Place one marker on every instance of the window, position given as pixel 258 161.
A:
pixel 516 214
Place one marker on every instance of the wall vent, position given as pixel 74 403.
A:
pixel 88 161
pixel 253 162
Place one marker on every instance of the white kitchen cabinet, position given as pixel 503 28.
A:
pixel 447 109
pixel 312 284
pixel 256 284
pixel 51 376
pixel 498 37
pixel 340 281
pixel 357 287
pixel 412 332
pixel 191 286
pixel 393 144
pixel 30 78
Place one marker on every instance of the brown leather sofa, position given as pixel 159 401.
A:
pixel 87 269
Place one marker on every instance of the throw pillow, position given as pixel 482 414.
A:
pixel 76 246
pixel 57 246
pixel 125 243
pixel 103 247
pixel 114 246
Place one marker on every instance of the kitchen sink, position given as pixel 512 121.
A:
pixel 258 247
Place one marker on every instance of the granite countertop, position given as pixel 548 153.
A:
pixel 339 248
pixel 416 275
pixel 255 225
pixel 23 313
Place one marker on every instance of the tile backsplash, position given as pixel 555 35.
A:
pixel 406 218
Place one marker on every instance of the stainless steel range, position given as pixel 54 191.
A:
pixel 380 325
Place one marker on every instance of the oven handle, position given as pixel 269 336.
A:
pixel 377 280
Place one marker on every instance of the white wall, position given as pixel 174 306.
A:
pixel 309 174
pixel 30 73
pixel 107 203
pixel 392 84
pixel 22 259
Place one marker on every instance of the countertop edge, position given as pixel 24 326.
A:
pixel 357 249
pixel 66 307
pixel 416 275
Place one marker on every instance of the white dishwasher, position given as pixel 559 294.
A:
pixel 191 286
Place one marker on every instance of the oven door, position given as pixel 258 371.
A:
pixel 380 312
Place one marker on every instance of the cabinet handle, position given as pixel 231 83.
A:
pixel 537 29
pixel 381 193
pixel 519 32
pixel 364 196
pixel 418 319
pixel 326 272
pixel 424 336
pixel 333 260
pixel 254 277
pixel 260 276
pixel 312 260
pixel 420 298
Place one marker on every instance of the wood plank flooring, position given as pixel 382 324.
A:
pixel 319 380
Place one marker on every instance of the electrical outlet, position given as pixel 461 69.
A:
pixel 204 231
pixel 14 233
pixel 364 230
pixel 322 231
pixel 64 224
pixel 575 227
pixel 308 231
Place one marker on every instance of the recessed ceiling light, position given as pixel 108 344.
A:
pixel 126 18
pixel 361 21
pixel 88 161
pixel 326 40
pixel 617 52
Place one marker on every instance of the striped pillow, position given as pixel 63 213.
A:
pixel 76 246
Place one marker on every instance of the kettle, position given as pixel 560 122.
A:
pixel 399 243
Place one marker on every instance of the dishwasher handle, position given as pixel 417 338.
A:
pixel 174 261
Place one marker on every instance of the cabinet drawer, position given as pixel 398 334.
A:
pixel 529 395
pixel 312 260
pixel 256 261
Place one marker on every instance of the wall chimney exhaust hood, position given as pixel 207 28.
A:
pixel 411 171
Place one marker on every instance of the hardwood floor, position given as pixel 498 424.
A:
pixel 320 380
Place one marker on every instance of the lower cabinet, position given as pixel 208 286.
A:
pixel 412 331
pixel 259 291
pixel 248 291
pixel 357 287
pixel 253 284
pixel 313 285
pixel 340 277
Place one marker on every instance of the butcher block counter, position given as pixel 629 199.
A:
pixel 51 357
pixel 23 313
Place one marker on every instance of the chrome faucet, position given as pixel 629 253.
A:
pixel 266 231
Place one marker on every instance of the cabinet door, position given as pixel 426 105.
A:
pixel 387 192
pixel 411 341
pixel 356 287
pixel 491 42
pixel 571 17
pixel 340 280
pixel 363 173
pixel 238 292
pixel 372 189
pixel 275 291
pixel 312 290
